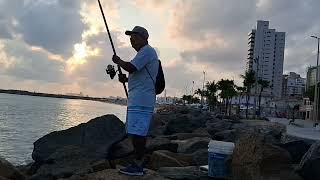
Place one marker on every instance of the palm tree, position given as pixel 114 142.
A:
pixel 210 93
pixel 227 91
pixel 263 84
pixel 199 92
pixel 248 81
pixel 241 91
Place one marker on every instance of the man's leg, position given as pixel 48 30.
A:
pixel 139 144
pixel 135 168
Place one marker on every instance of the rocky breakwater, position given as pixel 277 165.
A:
pixel 177 146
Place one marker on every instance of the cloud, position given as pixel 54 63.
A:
pixel 215 32
pixel 152 5
pixel 23 62
pixel 55 27
pixel 43 42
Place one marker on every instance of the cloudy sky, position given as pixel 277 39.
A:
pixel 61 46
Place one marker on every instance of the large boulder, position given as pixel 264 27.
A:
pixel 72 151
pixel 271 131
pixel 185 123
pixel 3 178
pixel 161 143
pixel 121 149
pixel 220 125
pixel 297 149
pixel 253 158
pixel 164 158
pixel 157 125
pixel 310 163
pixel 227 135
pixel 8 171
pixel 193 144
pixel 200 157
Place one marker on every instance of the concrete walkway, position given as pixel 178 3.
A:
pixel 300 128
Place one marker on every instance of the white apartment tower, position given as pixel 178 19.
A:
pixel 266 56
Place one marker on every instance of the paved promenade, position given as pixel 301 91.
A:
pixel 300 128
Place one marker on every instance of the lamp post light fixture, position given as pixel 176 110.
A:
pixel 316 93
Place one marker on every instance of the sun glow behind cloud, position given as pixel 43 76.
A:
pixel 80 56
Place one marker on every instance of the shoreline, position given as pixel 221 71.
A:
pixel 61 96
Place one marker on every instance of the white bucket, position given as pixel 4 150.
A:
pixel 218 152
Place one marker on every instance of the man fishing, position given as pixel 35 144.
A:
pixel 142 69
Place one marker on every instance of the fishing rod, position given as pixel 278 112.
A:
pixel 110 68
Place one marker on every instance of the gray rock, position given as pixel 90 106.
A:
pixel 288 138
pixel 218 126
pixel 183 173
pixel 200 157
pixel 3 178
pixel 71 151
pixel 184 123
pixel 184 136
pixel 157 126
pixel 169 159
pixel 121 149
pixel 227 135
pixel 113 174
pixel 192 145
pixel 161 143
pixel 7 170
pixel 297 149
pixel 253 158
pixel 310 163
pixel 42 177
pixel 272 132
pixel 95 136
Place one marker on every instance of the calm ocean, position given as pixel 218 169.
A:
pixel 24 119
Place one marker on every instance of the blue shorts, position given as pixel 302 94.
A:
pixel 138 120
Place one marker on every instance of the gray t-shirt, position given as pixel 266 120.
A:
pixel 141 87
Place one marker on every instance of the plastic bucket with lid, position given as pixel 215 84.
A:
pixel 218 152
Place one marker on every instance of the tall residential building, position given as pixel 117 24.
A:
pixel 293 85
pixel 311 76
pixel 266 56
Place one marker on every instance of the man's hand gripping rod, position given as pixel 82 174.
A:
pixel 110 70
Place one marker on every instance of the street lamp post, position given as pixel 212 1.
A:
pixel 316 96
pixel 202 94
pixel 256 85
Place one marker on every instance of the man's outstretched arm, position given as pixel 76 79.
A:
pixel 127 66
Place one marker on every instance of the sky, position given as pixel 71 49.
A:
pixel 61 46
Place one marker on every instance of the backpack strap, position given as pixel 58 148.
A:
pixel 150 75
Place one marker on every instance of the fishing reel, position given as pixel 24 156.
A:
pixel 111 71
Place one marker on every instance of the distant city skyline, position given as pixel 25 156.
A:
pixel 60 46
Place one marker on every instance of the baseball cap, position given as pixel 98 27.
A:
pixel 138 30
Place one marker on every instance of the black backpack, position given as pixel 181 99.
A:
pixel 160 81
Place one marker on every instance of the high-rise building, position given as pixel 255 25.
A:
pixel 266 56
pixel 293 85
pixel 311 76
